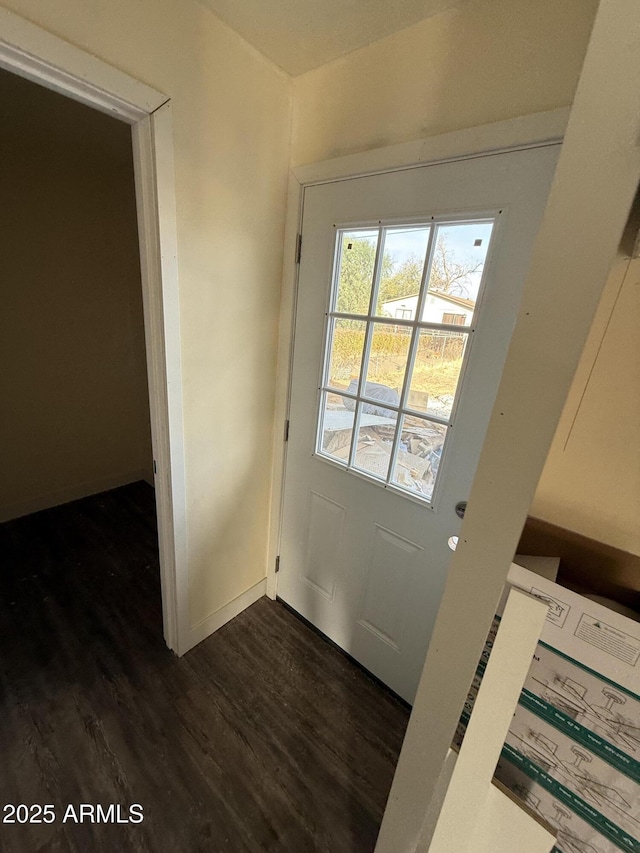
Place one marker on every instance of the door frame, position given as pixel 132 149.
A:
pixel 39 56
pixel 531 131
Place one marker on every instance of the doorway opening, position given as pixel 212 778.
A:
pixel 145 114
pixel 409 285
pixel 76 431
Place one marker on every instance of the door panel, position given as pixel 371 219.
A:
pixel 392 560
pixel 364 549
pixel 322 551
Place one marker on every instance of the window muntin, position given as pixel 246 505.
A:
pixel 436 372
pixel 457 259
pixel 387 360
pixel 418 459
pixel 401 280
pixel 391 381
pixel 345 352
pixel 336 428
pixel 356 266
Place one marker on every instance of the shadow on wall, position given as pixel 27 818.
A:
pixel 489 61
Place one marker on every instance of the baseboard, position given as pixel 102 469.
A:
pixel 225 614
pixel 69 493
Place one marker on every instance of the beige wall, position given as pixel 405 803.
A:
pixel 492 60
pixel 231 113
pixel 75 413
pixel 591 482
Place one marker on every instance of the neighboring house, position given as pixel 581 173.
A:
pixel 439 308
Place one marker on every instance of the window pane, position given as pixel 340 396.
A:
pixel 347 343
pixel 419 454
pixel 375 442
pixel 456 271
pixel 337 427
pixel 387 363
pixel 436 372
pixel 402 267
pixel 356 265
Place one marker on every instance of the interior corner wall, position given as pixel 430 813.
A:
pixel 231 113
pixel 591 480
pixel 489 61
pixel 73 385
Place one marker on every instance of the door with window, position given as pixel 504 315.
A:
pixel 409 285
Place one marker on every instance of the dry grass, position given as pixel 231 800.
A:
pixel 436 371
pixel 438 379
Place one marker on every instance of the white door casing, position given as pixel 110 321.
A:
pixel 40 56
pixel 364 564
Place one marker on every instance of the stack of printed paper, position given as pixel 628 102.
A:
pixel 573 750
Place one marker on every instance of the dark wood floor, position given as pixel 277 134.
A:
pixel 264 737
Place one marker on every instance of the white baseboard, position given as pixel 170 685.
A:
pixel 69 493
pixel 225 614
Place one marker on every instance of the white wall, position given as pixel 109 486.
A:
pixel 231 112
pixel 73 382
pixel 492 60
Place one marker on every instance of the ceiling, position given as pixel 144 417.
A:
pixel 299 35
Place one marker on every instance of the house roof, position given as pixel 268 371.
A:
pixel 455 300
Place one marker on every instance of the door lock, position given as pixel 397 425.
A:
pixel 461 507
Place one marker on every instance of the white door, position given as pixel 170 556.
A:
pixel 408 290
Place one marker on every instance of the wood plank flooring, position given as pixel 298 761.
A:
pixel 263 738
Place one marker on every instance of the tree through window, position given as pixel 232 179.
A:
pixel 393 364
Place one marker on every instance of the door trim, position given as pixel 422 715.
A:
pixel 531 131
pixel 495 138
pixel 34 53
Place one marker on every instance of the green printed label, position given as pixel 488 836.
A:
pixel 588 669
pixel 598 821
pixel 593 742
